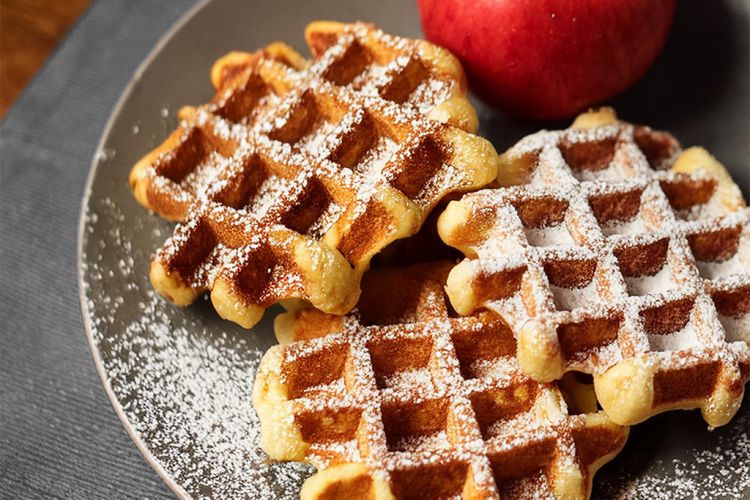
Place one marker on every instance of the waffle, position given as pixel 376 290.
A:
pixel 404 399
pixel 612 252
pixel 424 246
pixel 298 171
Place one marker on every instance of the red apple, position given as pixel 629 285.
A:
pixel 549 59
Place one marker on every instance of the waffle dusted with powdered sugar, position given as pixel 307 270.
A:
pixel 615 254
pixel 404 398
pixel 298 171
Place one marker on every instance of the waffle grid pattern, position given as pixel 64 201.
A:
pixel 592 261
pixel 432 406
pixel 299 172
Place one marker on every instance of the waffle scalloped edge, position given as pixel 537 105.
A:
pixel 419 402
pixel 591 221
pixel 298 172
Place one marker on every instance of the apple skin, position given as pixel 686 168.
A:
pixel 549 59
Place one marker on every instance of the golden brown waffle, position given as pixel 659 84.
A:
pixel 404 399
pixel 298 171
pixel 617 256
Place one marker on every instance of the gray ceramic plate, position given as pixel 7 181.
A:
pixel 180 379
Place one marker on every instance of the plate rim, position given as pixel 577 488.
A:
pixel 144 450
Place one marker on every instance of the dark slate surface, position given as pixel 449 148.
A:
pixel 59 436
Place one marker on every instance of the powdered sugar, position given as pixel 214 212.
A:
pixel 682 339
pixel 655 283
pixel 737 264
pixel 736 328
pixel 633 226
pixel 423 442
pixel 677 460
pixel 411 379
pixel 567 299
pixel 548 236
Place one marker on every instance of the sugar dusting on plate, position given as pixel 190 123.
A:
pixel 184 385
pixel 719 468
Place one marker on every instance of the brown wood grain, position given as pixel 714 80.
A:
pixel 29 32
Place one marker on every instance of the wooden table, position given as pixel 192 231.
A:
pixel 29 31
